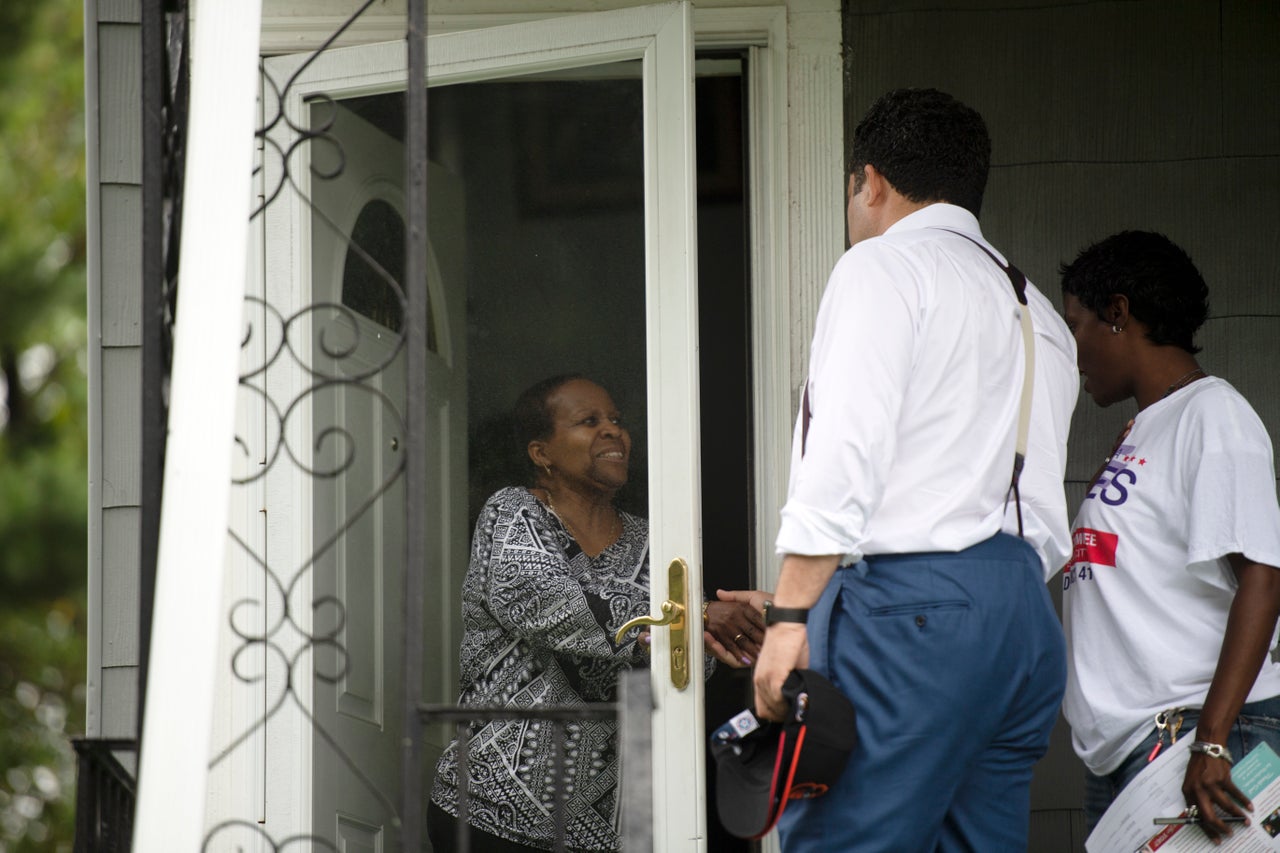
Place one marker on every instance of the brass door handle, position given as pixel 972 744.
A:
pixel 673 611
pixel 670 613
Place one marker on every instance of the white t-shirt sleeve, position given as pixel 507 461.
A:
pixel 859 366
pixel 1231 482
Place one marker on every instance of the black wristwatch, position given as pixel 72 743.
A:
pixel 773 615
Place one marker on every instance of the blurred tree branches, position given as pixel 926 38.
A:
pixel 43 469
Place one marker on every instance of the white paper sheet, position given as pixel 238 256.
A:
pixel 1157 792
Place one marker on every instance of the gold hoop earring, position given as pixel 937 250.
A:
pixel 546 468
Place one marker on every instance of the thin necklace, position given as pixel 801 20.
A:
pixel 551 505
pixel 1184 381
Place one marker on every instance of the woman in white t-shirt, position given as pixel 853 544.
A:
pixel 1172 594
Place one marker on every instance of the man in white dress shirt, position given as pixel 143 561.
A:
pixel 900 543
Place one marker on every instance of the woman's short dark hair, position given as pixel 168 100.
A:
pixel 532 413
pixel 1164 288
pixel 928 146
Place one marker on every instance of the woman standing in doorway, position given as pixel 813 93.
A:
pixel 556 570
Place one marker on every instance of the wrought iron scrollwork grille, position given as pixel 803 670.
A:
pixel 340 358
pixel 287 635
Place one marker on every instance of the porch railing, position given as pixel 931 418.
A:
pixel 105 793
pixel 105 789
pixel 633 711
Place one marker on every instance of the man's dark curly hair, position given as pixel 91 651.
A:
pixel 929 146
pixel 1164 288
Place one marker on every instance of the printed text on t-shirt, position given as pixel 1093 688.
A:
pixel 1120 475
pixel 1089 548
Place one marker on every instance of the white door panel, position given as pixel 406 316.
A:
pixel 357 701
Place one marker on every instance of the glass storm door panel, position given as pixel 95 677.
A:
pixel 561 236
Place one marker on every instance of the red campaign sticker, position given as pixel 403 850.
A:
pixel 1094 546
pixel 1161 838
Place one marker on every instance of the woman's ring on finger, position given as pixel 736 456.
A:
pixel 737 637
pixel 1193 812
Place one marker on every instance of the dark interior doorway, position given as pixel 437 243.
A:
pixel 517 223
pixel 724 366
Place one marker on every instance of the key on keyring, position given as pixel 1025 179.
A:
pixel 1162 723
pixel 1174 726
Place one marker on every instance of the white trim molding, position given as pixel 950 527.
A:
pixel 93 309
pixel 197 479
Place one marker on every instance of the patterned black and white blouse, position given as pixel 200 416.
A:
pixel 539 619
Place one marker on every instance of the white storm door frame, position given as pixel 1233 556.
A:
pixel 661 36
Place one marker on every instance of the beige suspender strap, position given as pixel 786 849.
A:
pixel 1028 381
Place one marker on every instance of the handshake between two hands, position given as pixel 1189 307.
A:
pixel 733 626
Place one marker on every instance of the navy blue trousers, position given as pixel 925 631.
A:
pixel 956 665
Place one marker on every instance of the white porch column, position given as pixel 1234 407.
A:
pixel 197 477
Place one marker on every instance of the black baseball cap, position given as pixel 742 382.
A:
pixel 761 766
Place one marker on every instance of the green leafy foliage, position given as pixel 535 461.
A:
pixel 41 701
pixel 43 469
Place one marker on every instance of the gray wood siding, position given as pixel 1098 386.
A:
pixel 115 283
pixel 120 544
pixel 1105 116
pixel 1220 209
pixel 121 266
pixel 120 11
pixel 119 701
pixel 119 104
pixel 121 436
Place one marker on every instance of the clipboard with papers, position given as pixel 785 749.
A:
pixel 1128 825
